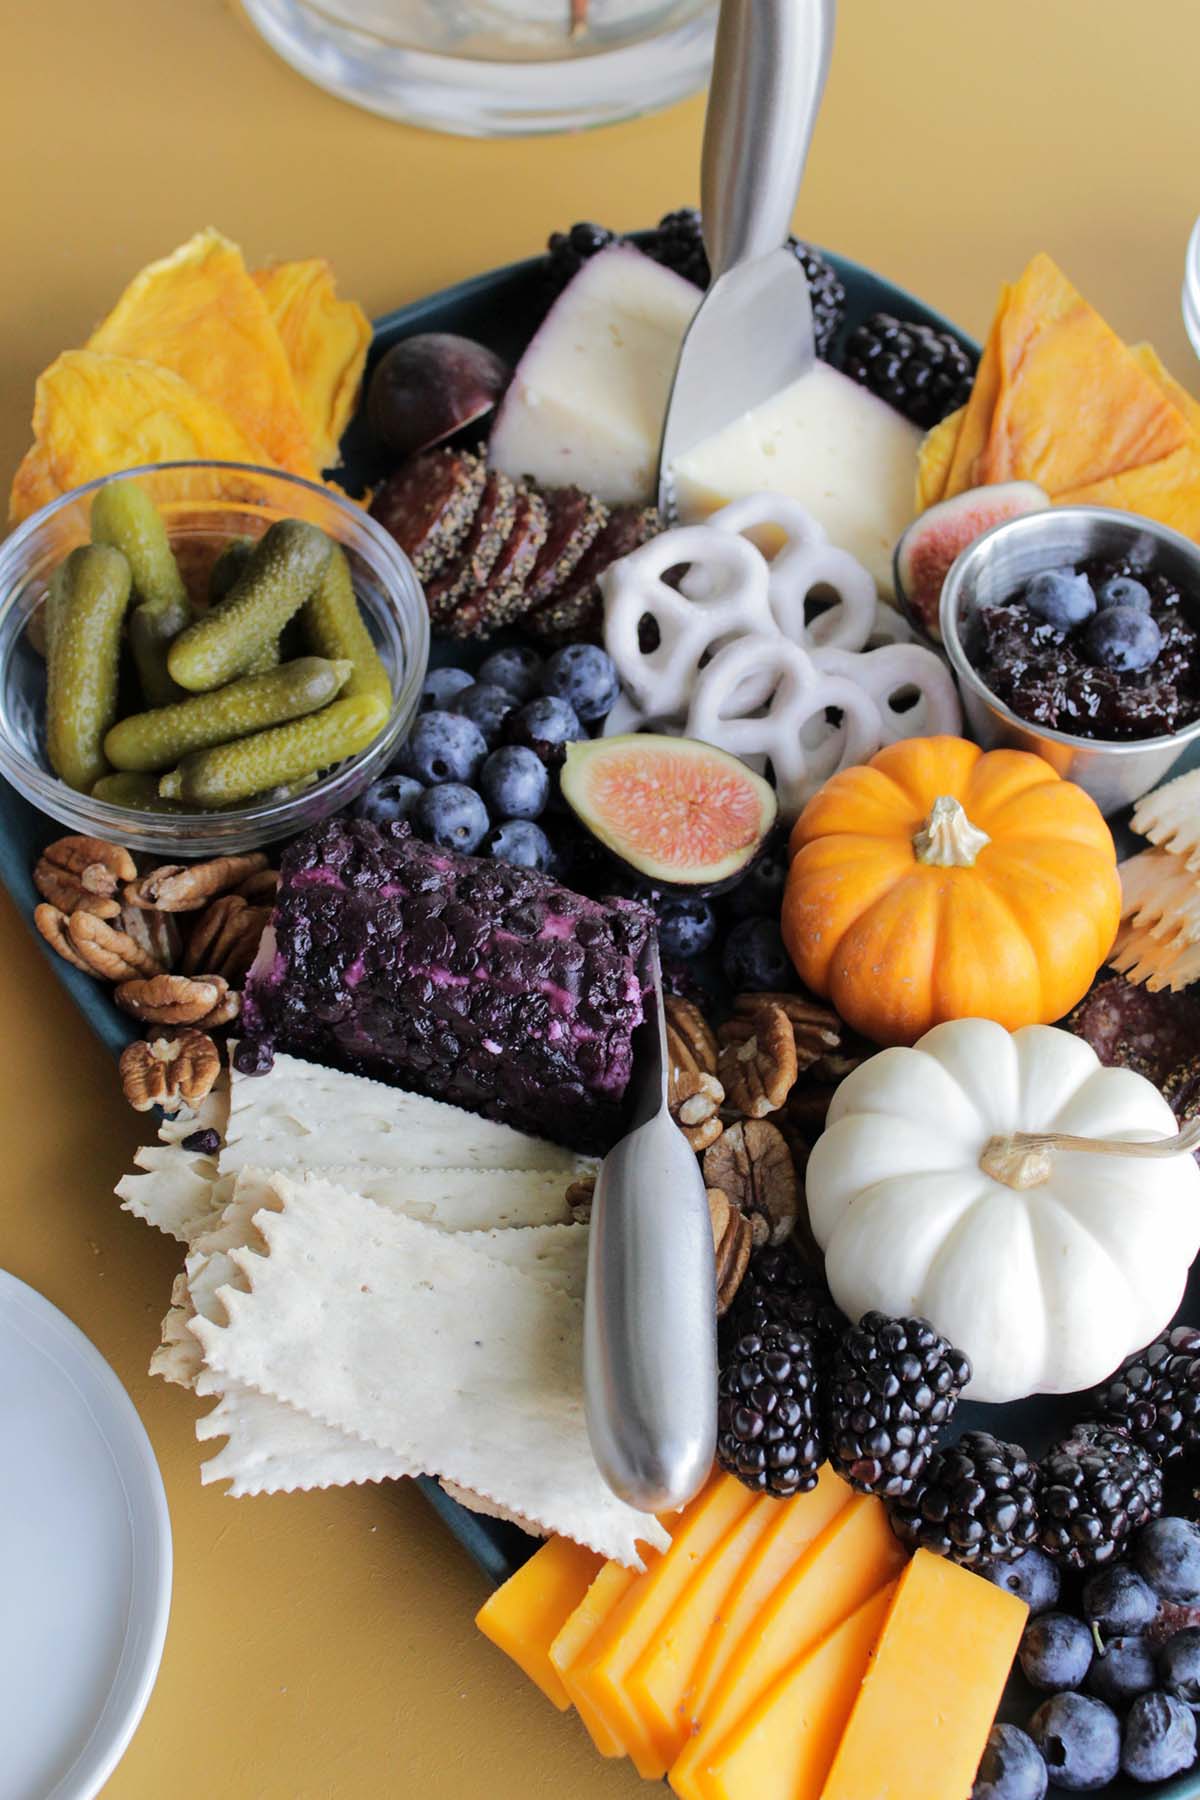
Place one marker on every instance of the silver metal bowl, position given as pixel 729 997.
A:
pixel 992 568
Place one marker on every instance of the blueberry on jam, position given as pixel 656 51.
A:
pixel 1060 597
pixel 1124 639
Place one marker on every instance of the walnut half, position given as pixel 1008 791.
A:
pixel 751 1163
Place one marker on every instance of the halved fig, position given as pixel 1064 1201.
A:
pixel 932 542
pixel 680 813
pixel 427 387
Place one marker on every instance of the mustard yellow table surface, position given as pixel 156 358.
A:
pixel 322 1644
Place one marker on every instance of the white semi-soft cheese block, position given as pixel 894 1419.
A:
pixel 825 441
pixel 588 399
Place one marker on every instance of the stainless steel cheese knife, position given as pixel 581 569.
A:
pixel 753 331
pixel 649 1337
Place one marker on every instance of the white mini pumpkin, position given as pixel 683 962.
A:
pixel 1045 1287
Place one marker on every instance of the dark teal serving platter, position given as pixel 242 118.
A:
pixel 501 308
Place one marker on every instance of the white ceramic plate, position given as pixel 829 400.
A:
pixel 85 1557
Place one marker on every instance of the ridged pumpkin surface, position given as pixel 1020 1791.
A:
pixel 899 944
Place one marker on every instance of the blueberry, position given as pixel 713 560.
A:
pixel 440 687
pixel 1159 1738
pixel 1125 1670
pixel 1060 597
pixel 514 783
pixel 451 816
pixel 1179 1665
pixel 1033 1577
pixel 1011 1767
pixel 686 928
pixel 1123 590
pixel 1118 1600
pixel 761 888
pixel 1120 638
pixel 1056 1652
pixel 549 720
pixel 390 800
pixel 585 677
pixel 1167 1553
pixel 204 1142
pixel 443 746
pixel 522 842
pixel 754 957
pixel 1080 1741
pixel 518 670
pixel 486 706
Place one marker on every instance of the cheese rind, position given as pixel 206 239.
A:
pixel 855 1554
pixel 526 1614
pixel 826 442
pixel 923 1714
pixel 587 401
pixel 783 1748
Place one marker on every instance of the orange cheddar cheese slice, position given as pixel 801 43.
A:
pixel 783 1748
pixel 606 1592
pixel 599 1672
pixel 524 1617
pixel 926 1706
pixel 855 1554
pixel 796 1525
pixel 658 1681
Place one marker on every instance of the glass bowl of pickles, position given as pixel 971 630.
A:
pixel 204 657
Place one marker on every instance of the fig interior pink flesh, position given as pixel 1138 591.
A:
pixel 677 810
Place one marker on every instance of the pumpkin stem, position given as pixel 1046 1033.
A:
pixel 948 840
pixel 1023 1159
pixel 1018 1165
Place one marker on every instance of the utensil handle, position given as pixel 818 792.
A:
pixel 768 76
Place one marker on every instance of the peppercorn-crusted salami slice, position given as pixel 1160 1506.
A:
pixel 502 596
pixel 1130 1028
pixel 576 609
pixel 461 579
pixel 429 504
pixel 574 521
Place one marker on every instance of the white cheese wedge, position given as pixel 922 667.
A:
pixel 826 442
pixel 588 399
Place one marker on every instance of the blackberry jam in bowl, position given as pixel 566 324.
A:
pixel 1075 633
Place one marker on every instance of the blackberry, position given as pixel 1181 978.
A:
pixel 779 1289
pixel 893 1385
pixel 567 251
pixel 923 373
pixel 678 244
pixel 1097 1487
pixel 767 1428
pixel 1155 1395
pixel 975 1502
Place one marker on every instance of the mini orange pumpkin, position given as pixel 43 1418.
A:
pixel 940 881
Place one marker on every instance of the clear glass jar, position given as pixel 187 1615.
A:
pixel 483 68
pixel 204 504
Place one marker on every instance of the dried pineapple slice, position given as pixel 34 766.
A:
pixel 326 342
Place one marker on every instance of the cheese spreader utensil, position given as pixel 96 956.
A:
pixel 753 331
pixel 650 1330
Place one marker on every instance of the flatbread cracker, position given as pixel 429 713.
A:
pixel 1170 817
pixel 1161 895
pixel 487 1509
pixel 349 1294
pixel 1158 962
pixel 175 1192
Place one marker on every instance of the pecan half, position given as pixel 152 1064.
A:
pixel 579 1198
pixel 260 888
pixel 108 951
pixel 178 1000
pixel 51 921
pixel 732 1238
pixel 156 932
pixel 695 1095
pixel 224 939
pixel 82 874
pixel 758 1064
pixel 170 1072
pixel 185 887
pixel 752 1164
pixel 817 1029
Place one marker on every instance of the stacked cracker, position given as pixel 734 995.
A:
pixel 379 1285
pixel 1159 939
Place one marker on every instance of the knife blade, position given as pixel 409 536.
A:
pixel 752 333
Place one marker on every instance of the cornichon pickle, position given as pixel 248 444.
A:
pixel 282 572
pixel 157 740
pixel 125 517
pixel 229 568
pixel 81 687
pixel 334 626
pixel 137 791
pixel 52 607
pixel 283 754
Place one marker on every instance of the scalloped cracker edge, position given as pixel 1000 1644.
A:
pixel 1156 962
pixel 1161 895
pixel 1170 817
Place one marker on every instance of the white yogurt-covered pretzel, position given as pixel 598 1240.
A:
pixel 806 561
pixel 734 601
pixel 792 729
pixel 895 671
